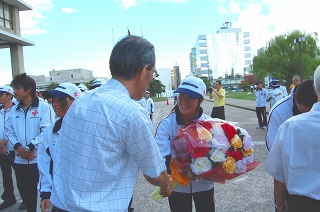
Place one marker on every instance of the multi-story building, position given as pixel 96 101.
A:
pixel 225 53
pixel 76 76
pixel 10 34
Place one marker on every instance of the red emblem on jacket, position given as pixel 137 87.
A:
pixel 34 113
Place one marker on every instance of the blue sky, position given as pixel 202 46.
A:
pixel 81 33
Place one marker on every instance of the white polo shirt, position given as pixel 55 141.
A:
pixel 294 156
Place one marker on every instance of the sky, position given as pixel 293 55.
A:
pixel 71 34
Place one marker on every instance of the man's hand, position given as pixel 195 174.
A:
pixel 166 189
pixel 24 154
pixel 44 205
pixel 3 142
pixel 3 150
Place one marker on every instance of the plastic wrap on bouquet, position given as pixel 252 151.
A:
pixel 215 151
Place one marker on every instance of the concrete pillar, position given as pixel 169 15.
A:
pixel 16 50
pixel 17 63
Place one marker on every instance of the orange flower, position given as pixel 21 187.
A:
pixel 247 152
pixel 229 165
pixel 176 173
pixel 236 142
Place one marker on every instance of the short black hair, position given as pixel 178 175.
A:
pixel 130 55
pixel 26 82
pixel 219 81
pixel 305 95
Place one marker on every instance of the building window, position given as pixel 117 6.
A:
pixel 5 15
pixel 71 75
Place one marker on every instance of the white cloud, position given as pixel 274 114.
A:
pixel 222 10
pixel 126 4
pixel 68 10
pixel 270 18
pixel 234 7
pixel 31 20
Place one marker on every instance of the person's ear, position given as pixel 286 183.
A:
pixel 143 73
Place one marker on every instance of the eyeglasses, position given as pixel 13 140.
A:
pixel 155 74
pixel 57 99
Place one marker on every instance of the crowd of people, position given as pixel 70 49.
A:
pixel 83 149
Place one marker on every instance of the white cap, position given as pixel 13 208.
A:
pixel 193 87
pixel 82 87
pixel 63 90
pixel 7 89
pixel 98 83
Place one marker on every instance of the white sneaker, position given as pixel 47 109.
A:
pixel 258 127
pixel 264 128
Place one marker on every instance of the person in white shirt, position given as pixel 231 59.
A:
pixel 187 110
pixel 292 161
pixel 62 98
pixel 261 103
pixel 298 102
pixel 147 103
pixel 24 126
pixel 296 80
pixel 276 93
pixel 106 139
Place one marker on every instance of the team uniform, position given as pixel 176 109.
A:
pixel 24 128
pixel 281 111
pixel 293 156
pixel 165 133
pixel 46 151
pixel 274 95
pixel 104 141
pixel 148 104
pixel 6 161
pixel 284 90
pixel 261 102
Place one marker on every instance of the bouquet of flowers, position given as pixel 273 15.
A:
pixel 213 151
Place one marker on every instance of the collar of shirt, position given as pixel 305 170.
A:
pixel 34 103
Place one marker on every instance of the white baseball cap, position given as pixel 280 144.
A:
pixel 6 89
pixel 98 83
pixel 193 87
pixel 63 90
pixel 82 87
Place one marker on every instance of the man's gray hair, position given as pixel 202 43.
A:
pixel 317 80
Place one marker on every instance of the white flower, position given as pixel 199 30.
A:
pixel 241 166
pixel 217 155
pixel 247 142
pixel 200 165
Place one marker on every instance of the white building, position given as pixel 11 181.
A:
pixel 226 52
pixel 76 76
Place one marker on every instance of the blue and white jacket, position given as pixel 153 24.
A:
pixel 24 127
pixel 261 97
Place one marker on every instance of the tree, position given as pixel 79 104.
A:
pixel 206 82
pixel 52 86
pixel 244 85
pixel 250 79
pixel 281 58
pixel 156 87
pixel 89 83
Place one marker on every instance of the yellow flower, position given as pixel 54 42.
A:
pixel 236 142
pixel 247 152
pixel 204 134
pixel 229 165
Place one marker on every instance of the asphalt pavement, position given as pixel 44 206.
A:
pixel 250 192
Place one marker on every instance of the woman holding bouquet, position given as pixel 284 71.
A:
pixel 191 94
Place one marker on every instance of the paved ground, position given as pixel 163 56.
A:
pixel 251 192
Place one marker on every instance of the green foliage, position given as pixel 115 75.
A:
pixel 89 83
pixel 244 85
pixel 281 58
pixel 206 82
pixel 52 86
pixel 156 87
pixel 241 95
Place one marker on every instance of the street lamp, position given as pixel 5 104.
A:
pixel 299 40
